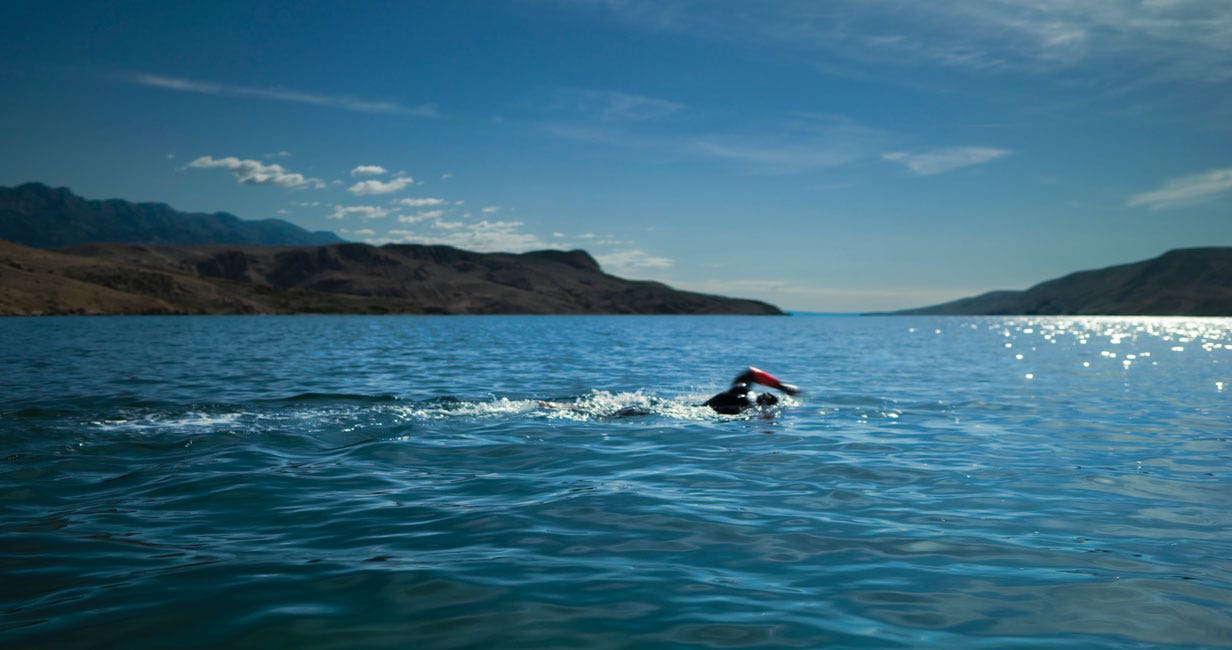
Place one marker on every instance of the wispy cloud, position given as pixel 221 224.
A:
pixel 776 153
pixel 254 172
pixel 786 146
pixel 795 142
pixel 610 105
pixel 944 160
pixel 279 94
pixel 365 212
pixel 368 170
pixel 421 202
pixel 365 188
pixel 1186 190
pixel 1177 39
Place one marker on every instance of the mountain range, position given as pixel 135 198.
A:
pixel 37 215
pixel 114 256
pixel 68 255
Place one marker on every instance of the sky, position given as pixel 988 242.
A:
pixel 825 156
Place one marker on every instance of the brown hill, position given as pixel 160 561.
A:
pixel 339 278
pixel 1184 282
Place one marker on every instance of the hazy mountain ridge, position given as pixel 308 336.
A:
pixel 340 278
pixel 37 215
pixel 1182 282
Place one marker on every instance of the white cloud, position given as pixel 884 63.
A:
pixel 368 170
pixel 362 232
pixel 631 262
pixel 491 209
pixel 253 172
pixel 446 177
pixel 1186 190
pixel 365 188
pixel 944 160
pixel 279 94
pixel 482 236
pixel 365 212
pixel 421 202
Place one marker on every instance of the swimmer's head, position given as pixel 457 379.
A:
pixel 753 375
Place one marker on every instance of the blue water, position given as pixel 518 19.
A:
pixel 340 482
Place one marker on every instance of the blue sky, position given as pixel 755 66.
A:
pixel 824 156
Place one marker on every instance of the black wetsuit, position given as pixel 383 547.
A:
pixel 739 398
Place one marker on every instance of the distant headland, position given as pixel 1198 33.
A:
pixel 117 257
pixel 1183 282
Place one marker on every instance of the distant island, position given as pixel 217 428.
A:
pixel 1183 282
pixel 115 257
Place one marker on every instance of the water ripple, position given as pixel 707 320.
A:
pixel 924 492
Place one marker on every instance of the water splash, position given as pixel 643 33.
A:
pixel 318 410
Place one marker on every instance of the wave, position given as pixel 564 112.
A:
pixel 317 398
pixel 594 405
pixel 323 411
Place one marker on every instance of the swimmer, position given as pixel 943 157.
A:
pixel 740 397
pixel 733 401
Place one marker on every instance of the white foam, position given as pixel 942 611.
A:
pixel 158 421
pixel 595 405
pixel 497 407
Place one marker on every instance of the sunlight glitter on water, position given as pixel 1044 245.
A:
pixel 1142 336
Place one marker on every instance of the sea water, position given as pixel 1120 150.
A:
pixel 452 482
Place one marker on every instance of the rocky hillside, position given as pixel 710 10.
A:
pixel 44 217
pixel 1185 282
pixel 339 278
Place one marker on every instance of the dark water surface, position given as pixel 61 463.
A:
pixel 337 482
